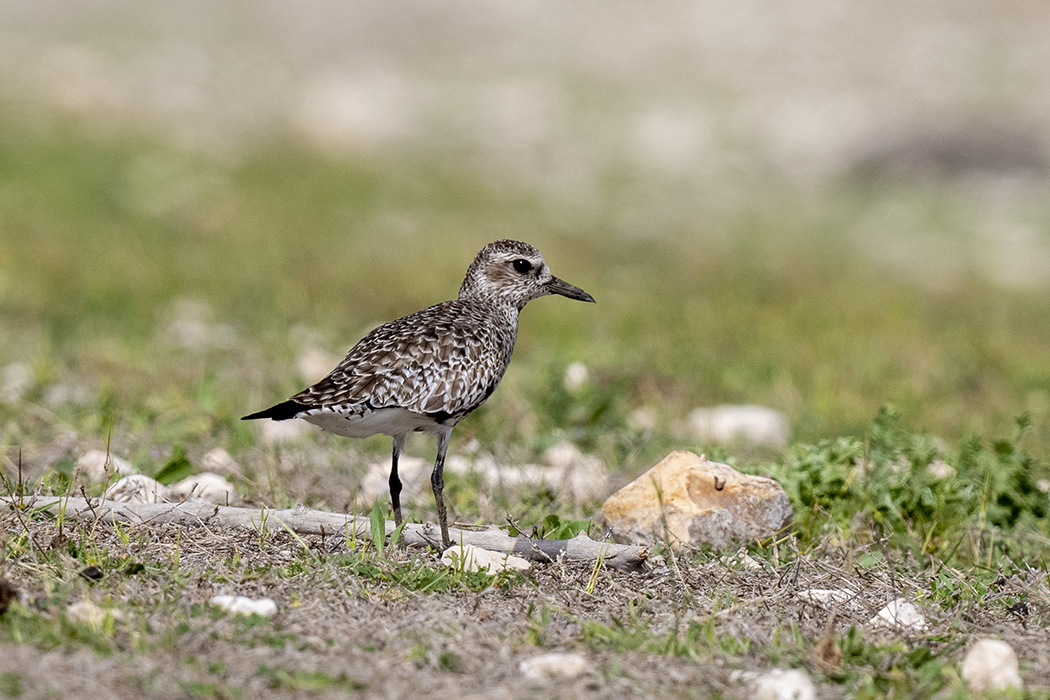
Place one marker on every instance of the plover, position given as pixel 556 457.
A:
pixel 426 371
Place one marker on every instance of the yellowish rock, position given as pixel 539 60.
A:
pixel 687 500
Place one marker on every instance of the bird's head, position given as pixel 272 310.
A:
pixel 514 273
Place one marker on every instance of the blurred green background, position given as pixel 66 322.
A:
pixel 814 209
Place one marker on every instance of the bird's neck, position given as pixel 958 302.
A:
pixel 494 300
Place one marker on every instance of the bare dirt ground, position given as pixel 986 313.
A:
pixel 664 633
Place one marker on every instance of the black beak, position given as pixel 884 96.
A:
pixel 557 286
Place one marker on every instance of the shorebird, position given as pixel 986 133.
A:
pixel 426 371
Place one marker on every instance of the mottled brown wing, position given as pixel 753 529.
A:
pixel 443 361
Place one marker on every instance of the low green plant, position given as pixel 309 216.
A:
pixel 892 483
pixel 45 630
pixel 278 678
pixel 10 684
pixel 177 468
pixel 377 526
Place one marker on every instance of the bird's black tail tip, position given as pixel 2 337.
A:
pixel 282 411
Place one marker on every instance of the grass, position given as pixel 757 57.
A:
pixel 280 679
pixel 880 487
pixel 160 294
pixel 777 307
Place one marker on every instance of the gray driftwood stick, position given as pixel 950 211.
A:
pixel 316 522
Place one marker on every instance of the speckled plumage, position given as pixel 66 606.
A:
pixel 428 370
pixel 441 362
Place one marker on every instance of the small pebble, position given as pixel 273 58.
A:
pixel 242 605
pixel 744 561
pixel 991 664
pixel 553 665
pixel 900 614
pixel 473 558
pixel 781 684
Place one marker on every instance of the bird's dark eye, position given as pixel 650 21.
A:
pixel 522 265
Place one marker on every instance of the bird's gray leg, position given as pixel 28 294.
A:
pixel 437 481
pixel 395 481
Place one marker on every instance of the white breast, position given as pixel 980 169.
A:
pixel 388 421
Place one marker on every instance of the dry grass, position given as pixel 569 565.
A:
pixel 356 622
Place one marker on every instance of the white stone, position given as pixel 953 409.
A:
pixel 901 615
pixel 576 377
pixel 97 465
pixel 991 665
pixel 242 605
pixel 784 684
pixel 726 424
pixel 553 665
pixel 206 486
pixel 744 561
pixel 137 488
pixel 826 596
pixel 473 558
pixel 939 469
